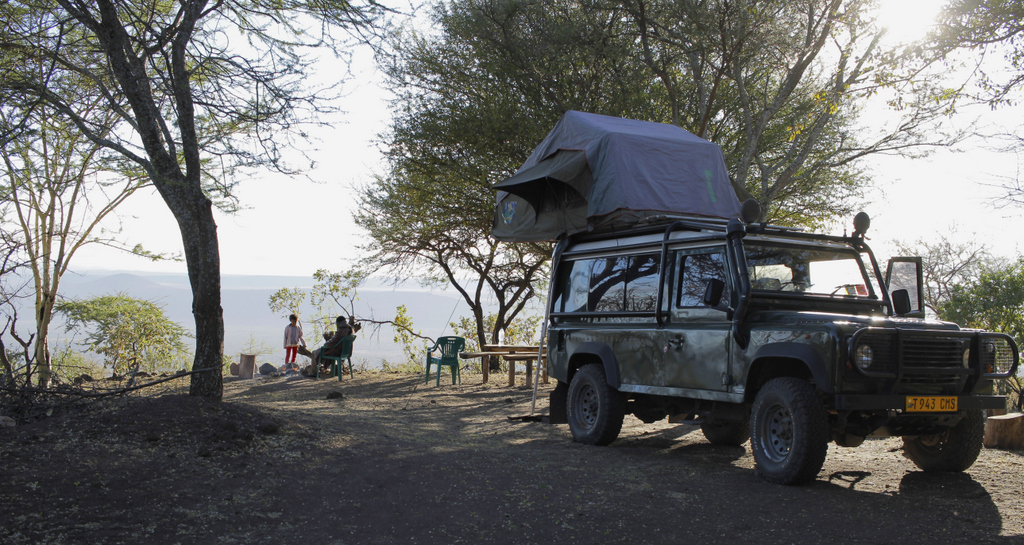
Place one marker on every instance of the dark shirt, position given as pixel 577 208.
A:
pixel 333 346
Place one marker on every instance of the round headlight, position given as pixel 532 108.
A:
pixel 967 358
pixel 863 356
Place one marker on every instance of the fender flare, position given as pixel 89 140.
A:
pixel 804 353
pixel 604 353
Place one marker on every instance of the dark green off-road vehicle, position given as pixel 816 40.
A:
pixel 788 338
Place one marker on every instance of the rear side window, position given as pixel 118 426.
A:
pixel 620 284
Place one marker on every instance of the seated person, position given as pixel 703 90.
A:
pixel 333 346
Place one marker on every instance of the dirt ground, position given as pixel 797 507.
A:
pixel 390 460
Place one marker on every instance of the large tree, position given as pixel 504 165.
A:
pixel 57 193
pixel 774 82
pixel 988 37
pixel 190 81
pixel 779 84
pixel 985 28
pixel 470 106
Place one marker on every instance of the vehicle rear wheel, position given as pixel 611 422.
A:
pixel 595 410
pixel 720 432
pixel 788 431
pixel 956 449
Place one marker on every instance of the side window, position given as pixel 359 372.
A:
pixel 642 283
pixel 574 286
pixel 608 284
pixel 695 272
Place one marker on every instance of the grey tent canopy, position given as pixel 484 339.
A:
pixel 594 172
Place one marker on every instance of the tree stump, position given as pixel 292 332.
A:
pixel 1005 431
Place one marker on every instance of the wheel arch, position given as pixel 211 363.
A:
pixel 600 353
pixel 786 360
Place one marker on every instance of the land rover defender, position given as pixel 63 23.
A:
pixel 784 337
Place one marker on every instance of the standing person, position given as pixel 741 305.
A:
pixel 292 340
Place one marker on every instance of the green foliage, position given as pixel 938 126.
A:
pixel 993 301
pixel 980 26
pixel 333 294
pixel 68 363
pixel 413 345
pixel 403 367
pixel 127 332
pixel 775 83
pixel 287 301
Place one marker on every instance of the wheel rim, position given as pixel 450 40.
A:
pixel 777 433
pixel 588 406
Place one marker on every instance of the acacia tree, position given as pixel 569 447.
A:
pixel 129 333
pixel 992 32
pixel 984 27
pixel 223 79
pixel 779 85
pixel 474 98
pixel 470 107
pixel 58 193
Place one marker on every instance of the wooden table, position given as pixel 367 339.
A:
pixel 512 354
pixel 528 358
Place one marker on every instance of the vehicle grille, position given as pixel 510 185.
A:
pixel 917 357
pixel 933 351
pixel 933 357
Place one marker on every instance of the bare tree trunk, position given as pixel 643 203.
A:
pixel 194 213
pixel 44 314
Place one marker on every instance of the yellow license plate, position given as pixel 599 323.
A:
pixel 931 404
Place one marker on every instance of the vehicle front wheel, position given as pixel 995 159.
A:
pixel 719 432
pixel 788 431
pixel 595 410
pixel 954 450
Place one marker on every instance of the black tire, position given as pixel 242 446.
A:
pixel 731 434
pixel 955 450
pixel 595 410
pixel 789 431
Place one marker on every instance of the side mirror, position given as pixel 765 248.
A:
pixel 713 293
pixel 901 302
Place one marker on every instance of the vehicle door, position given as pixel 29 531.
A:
pixel 906 273
pixel 695 342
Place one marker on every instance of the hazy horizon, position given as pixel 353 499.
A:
pixel 248 319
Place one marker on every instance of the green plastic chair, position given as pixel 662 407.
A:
pixel 449 348
pixel 338 362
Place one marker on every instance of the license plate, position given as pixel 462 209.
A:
pixel 931 404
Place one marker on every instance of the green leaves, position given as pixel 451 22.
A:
pixel 127 332
pixel 993 301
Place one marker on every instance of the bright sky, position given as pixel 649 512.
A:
pixel 294 227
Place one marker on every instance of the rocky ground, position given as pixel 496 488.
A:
pixel 385 459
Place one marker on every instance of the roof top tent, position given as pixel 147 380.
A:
pixel 595 173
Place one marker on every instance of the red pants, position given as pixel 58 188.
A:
pixel 289 354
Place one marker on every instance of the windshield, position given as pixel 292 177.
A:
pixel 817 271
